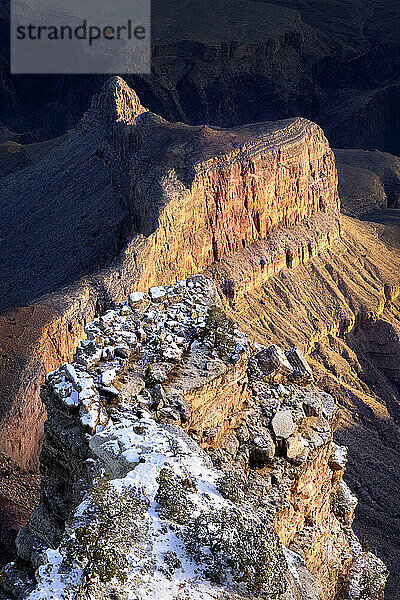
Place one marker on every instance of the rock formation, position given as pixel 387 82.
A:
pixel 256 208
pixel 195 195
pixel 19 495
pixel 129 502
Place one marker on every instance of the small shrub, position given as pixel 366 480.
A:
pixel 253 371
pixel 149 378
pixel 100 546
pixel 230 486
pixel 366 544
pixel 173 498
pixel 172 560
pixel 87 547
pixel 230 541
pixel 219 332
pixel 171 563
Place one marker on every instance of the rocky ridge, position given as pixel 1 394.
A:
pixel 126 423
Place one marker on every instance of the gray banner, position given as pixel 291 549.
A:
pixel 97 36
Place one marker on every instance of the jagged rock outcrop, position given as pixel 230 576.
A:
pixel 122 408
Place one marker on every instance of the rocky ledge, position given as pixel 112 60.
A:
pixel 181 460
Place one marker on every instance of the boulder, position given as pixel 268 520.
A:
pixel 283 425
pixel 338 458
pixel 273 363
pixel 312 405
pixel 262 450
pixel 136 299
pixel 301 373
pixel 157 293
pixel 157 373
pixel 296 448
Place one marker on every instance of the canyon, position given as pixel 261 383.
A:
pixel 183 201
pixel 234 62
pixel 256 209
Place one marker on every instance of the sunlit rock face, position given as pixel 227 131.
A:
pixel 173 200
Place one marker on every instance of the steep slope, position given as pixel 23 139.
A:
pixel 19 495
pixel 68 208
pixel 347 285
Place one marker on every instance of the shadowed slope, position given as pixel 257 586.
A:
pixel 66 205
pixel 367 181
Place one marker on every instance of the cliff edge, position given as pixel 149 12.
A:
pixel 182 460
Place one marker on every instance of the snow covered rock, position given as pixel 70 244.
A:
pixel 184 461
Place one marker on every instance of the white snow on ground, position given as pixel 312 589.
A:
pixel 156 447
pixel 339 455
pixel 133 450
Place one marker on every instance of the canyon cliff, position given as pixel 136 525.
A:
pixel 256 209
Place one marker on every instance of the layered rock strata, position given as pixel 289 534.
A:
pixel 238 274
pixel 342 309
pixel 193 195
pixel 337 290
pixel 272 476
pixel 344 284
